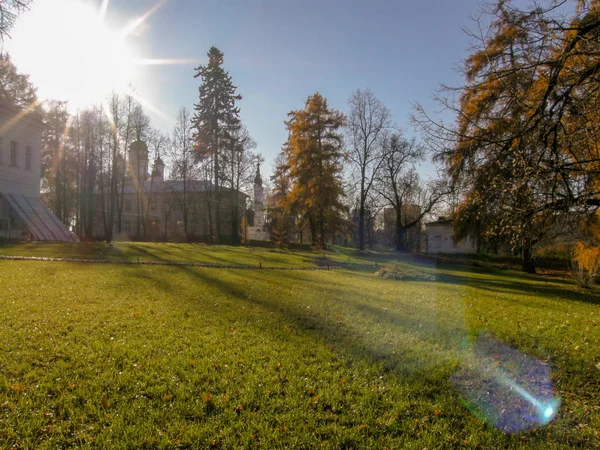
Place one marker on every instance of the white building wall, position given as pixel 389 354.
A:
pixel 440 239
pixel 17 179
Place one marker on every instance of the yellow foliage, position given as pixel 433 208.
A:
pixel 587 262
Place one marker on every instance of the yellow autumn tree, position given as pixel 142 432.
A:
pixel 525 148
pixel 313 159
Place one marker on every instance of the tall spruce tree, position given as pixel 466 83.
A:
pixel 314 152
pixel 215 120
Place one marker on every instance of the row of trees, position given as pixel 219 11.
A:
pixel 85 161
pixel 85 156
pixel 88 153
pixel 521 158
pixel 310 191
pixel 331 162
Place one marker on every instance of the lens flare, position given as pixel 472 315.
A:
pixel 505 387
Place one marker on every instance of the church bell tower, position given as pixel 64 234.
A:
pixel 259 199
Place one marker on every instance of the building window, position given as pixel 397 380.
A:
pixel 13 153
pixel 127 226
pixel 153 205
pixel 28 157
pixel 127 207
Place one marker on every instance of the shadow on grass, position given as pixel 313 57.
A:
pixel 528 285
pixel 496 280
pixel 412 343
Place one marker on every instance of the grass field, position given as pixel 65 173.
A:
pixel 114 356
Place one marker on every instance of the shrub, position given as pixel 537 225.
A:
pixel 586 264
pixel 395 274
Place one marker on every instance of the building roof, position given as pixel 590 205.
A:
pixel 440 221
pixel 34 117
pixel 158 185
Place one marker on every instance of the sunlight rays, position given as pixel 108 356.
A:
pixel 147 104
pixel 17 117
pixel 103 9
pixel 164 61
pixel 135 24
pixel 82 59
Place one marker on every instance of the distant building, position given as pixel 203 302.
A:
pixel 258 230
pixel 440 239
pixel 22 213
pixel 153 209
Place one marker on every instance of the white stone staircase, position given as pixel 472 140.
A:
pixel 42 223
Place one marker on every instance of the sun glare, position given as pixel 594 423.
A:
pixel 70 52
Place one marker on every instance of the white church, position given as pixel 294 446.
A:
pixel 258 231
pixel 23 216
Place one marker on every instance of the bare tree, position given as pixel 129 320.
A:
pixel 9 11
pixel 183 162
pixel 399 184
pixel 368 121
pixel 238 164
pixel 137 127
pixel 158 142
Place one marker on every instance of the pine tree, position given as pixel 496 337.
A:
pixel 15 87
pixel 313 154
pixel 215 119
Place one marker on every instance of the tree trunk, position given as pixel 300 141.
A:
pixel 217 199
pixel 322 229
pixel 313 230
pixel 400 232
pixel 527 254
pixel 361 227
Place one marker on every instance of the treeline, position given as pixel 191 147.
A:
pixel 86 160
pixel 337 172
pixel 521 159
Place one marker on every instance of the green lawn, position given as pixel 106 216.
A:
pixel 114 356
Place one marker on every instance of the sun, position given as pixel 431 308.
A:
pixel 71 53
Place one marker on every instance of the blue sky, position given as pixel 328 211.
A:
pixel 279 52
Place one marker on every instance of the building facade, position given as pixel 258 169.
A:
pixel 22 213
pixel 440 239
pixel 156 209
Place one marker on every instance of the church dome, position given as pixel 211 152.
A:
pixel 139 149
